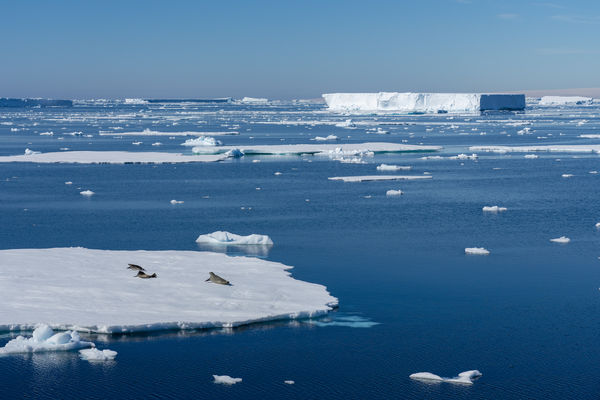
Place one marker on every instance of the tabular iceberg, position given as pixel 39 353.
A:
pixel 565 100
pixel 422 102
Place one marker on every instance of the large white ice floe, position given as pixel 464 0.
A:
pixel 112 157
pixel 493 209
pixel 93 291
pixel 478 251
pixel 556 148
pixel 562 240
pixel 320 149
pixel 150 132
pixel 202 141
pixel 228 238
pixel 94 354
pixel 226 379
pixel 422 102
pixel 466 377
pixel 565 100
pixel 388 167
pixel 135 101
pixel 365 178
pixel 44 339
pixel 393 192
pixel 254 100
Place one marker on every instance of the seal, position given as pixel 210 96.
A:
pixel 143 275
pixel 135 267
pixel 214 278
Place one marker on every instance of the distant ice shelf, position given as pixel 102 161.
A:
pixel 93 291
pixel 366 178
pixel 556 148
pixel 111 157
pixel 565 100
pixel 150 132
pixel 422 102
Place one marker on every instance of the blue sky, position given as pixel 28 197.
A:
pixel 294 49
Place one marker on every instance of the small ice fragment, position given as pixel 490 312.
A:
pixel 386 167
pixel 593 172
pixel 322 139
pixel 68 183
pixel 277 173
pixel 598 225
pixel 87 193
pixel 234 153
pixel 44 339
pixel 493 209
pixel 480 251
pixel 157 144
pixel 255 161
pixel 567 175
pixel 562 239
pixel 136 143
pixel 531 156
pixel 393 192
pixel 226 379
pixel 289 382
pixel 94 354
pixel 29 152
pixel 176 201
pixel 466 377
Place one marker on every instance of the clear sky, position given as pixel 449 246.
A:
pixel 294 49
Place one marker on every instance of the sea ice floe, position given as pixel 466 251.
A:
pixel 99 294
pixel 365 178
pixel 565 100
pixel 29 152
pixel 328 137
pixel 223 237
pixel 387 167
pixel 68 183
pixel 531 156
pixel 493 208
pixel 567 175
pixel 466 377
pixel 254 100
pixel 87 193
pixel 562 239
pixel 289 382
pixel 480 251
pixel 149 132
pixel 393 192
pixel 44 339
pixel 176 201
pixel 464 157
pixel 202 141
pixel 94 354
pixel 112 157
pixel 574 148
pixel 597 225
pixel 226 379
pixel 590 136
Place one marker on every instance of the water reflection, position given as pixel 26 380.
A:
pixel 253 250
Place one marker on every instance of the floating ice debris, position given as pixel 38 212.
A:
pixel 44 339
pixel 233 153
pixel 29 152
pixel 136 101
pixel 597 225
pixel 464 157
pixel 68 183
pixel 226 379
pixel 289 382
pixel 277 173
pixel 378 178
pixel 322 139
pixel 254 100
pixel 112 157
pixel 574 148
pixel 223 237
pixel 394 192
pixel 480 251
pixel 149 132
pixel 386 167
pixel 567 175
pixel 262 291
pixel 493 209
pixel 565 100
pixel 562 240
pixel 94 354
pixel 590 136
pixel 136 143
pixel 176 201
pixel 422 102
pixel 87 193
pixel 202 141
pixel 157 144
pixel 466 377
pixel 593 172
pixel 346 124
pixel 46 133
pixel 531 156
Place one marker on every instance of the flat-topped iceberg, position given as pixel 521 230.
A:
pixel 94 354
pixel 422 102
pixel 556 148
pixel 111 157
pixel 366 178
pixel 466 377
pixel 93 291
pixel 478 251
pixel 565 100
pixel 44 339
pixel 226 379
pixel 223 237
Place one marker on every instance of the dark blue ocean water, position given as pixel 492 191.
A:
pixel 526 316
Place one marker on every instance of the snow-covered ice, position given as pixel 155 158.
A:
pixel 565 100
pixel 202 141
pixel 44 339
pixel 562 239
pixel 29 152
pixel 466 377
pixel 387 167
pixel 565 148
pixel 254 100
pixel 92 290
pixel 226 379
pixel 393 192
pixel 289 382
pixel 112 157
pixel 365 178
pixel 328 137
pixel 479 251
pixel 567 175
pixel 223 237
pixel 493 209
pixel 422 102
pixel 87 193
pixel 150 132
pixel 94 354
pixel 176 201
pixel 531 156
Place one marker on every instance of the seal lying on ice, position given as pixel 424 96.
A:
pixel 143 275
pixel 135 267
pixel 214 278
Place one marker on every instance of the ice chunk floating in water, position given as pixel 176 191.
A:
pixel 226 379
pixel 422 102
pixel 466 377
pixel 479 251
pixel 94 354
pixel 565 100
pixel 365 178
pixel 494 209
pixel 44 339
pixel 562 239
pixel 223 237
pixel 104 296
